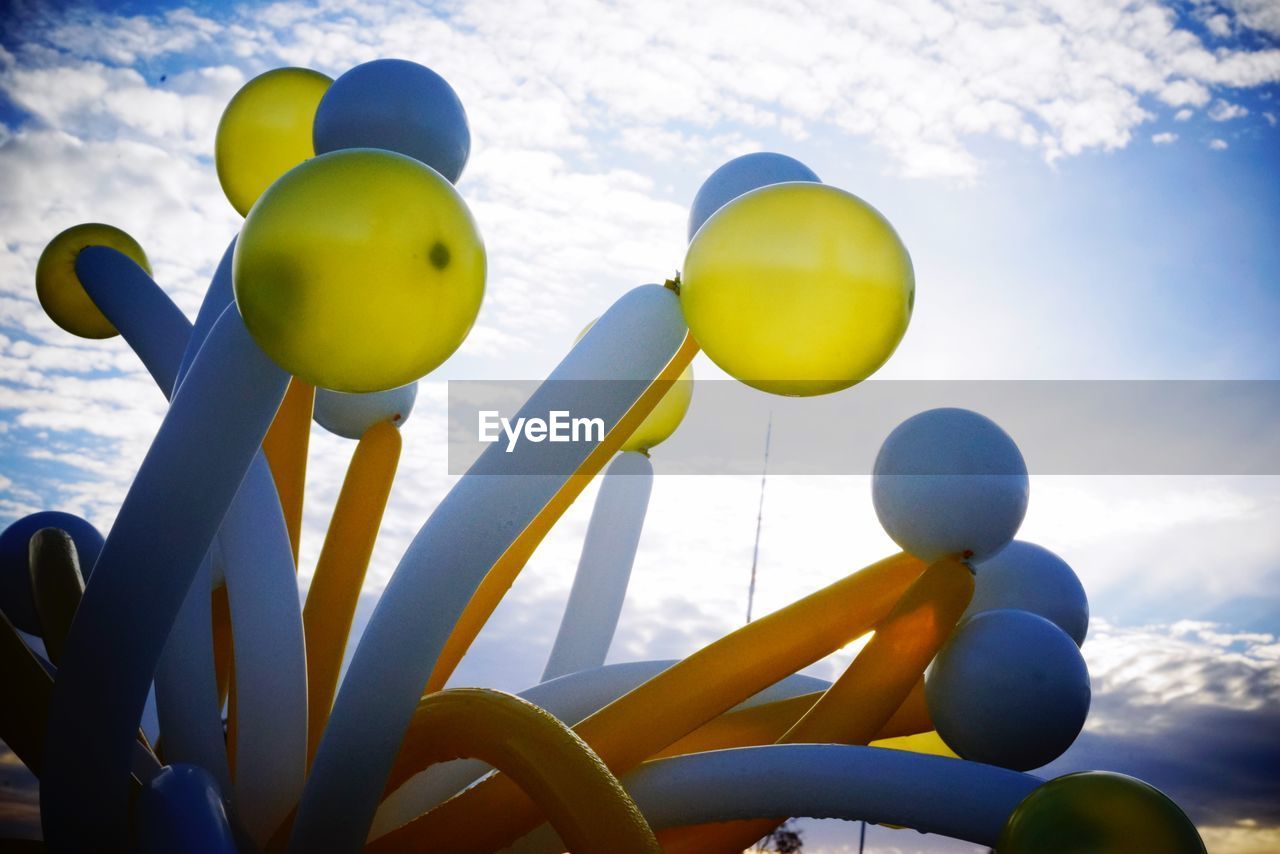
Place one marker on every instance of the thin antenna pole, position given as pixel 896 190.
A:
pixel 755 552
pixel 862 839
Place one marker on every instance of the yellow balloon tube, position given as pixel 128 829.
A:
pixel 586 804
pixel 504 571
pixel 865 697
pixel 344 558
pixel 285 446
pixel 767 722
pixel 678 701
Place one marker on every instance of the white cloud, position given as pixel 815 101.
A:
pixel 1218 144
pixel 1182 115
pixel 1164 138
pixel 1219 25
pixel 1261 15
pixel 1221 111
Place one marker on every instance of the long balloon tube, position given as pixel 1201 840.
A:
pixel 584 802
pixel 217 297
pixel 24 715
pixel 165 526
pixel 608 552
pixel 864 698
pixel 503 574
pixel 344 559
pixel 682 698
pixel 56 586
pixel 570 698
pixel 187 702
pixel 25 710
pixel 286 446
pixel 951 797
pixel 223 655
pixel 161 336
pixel 767 723
pixel 470 550
pixel 268 747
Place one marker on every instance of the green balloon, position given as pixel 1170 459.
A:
pixel 1098 812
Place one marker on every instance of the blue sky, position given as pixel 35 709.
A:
pixel 1088 190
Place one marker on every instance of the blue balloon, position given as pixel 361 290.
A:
pixel 742 175
pixel 1009 689
pixel 399 106
pixel 15 575
pixel 350 415
pixel 180 809
pixel 1032 578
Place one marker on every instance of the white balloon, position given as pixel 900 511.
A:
pixel 950 482
pixel 1032 578
pixel 350 415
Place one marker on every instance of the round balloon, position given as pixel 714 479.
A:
pixel 742 175
pixel 664 418
pixel 1098 812
pixel 58 287
pixel 15 574
pixel 1010 689
pixel 351 415
pixel 399 106
pixel 950 482
pixel 265 131
pixel 797 289
pixel 359 270
pixel 180 809
pixel 1032 578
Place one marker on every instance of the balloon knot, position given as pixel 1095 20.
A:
pixel 673 284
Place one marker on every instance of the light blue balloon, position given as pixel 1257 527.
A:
pixel 351 415
pixel 1032 578
pixel 399 106
pixel 742 175
pixel 180 809
pixel 15 564
pixel 186 482
pixel 950 482
pixel 1009 689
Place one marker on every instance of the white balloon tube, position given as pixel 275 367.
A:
pixel 156 330
pixel 570 698
pixel 932 794
pixel 270 656
pixel 187 689
pixel 608 552
pixel 484 515
pixel 165 526
pixel 266 619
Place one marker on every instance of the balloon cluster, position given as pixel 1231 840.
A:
pixel 358 270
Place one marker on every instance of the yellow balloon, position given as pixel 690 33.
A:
pixel 58 287
pixel 266 131
pixel 798 289
pixel 664 418
pixel 359 270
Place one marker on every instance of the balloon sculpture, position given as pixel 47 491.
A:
pixel 359 269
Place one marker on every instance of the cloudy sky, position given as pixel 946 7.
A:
pixel 1088 189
